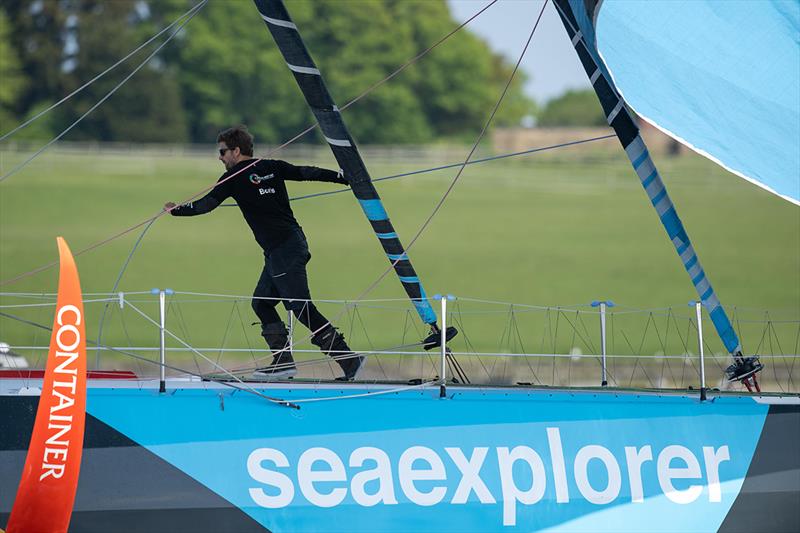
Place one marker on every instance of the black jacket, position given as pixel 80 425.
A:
pixel 260 193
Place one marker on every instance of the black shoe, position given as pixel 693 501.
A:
pixel 332 343
pixel 351 366
pixel 743 368
pixel 282 367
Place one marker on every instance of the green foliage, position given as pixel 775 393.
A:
pixel 12 80
pixel 573 108
pixel 225 69
pixel 37 34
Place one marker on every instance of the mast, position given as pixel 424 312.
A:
pixel 628 133
pixel 309 78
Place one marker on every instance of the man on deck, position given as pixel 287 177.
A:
pixel 259 188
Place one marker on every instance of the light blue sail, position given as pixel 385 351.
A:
pixel 723 77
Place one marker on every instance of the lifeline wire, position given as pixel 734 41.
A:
pixel 106 71
pixel 299 135
pixel 246 388
pixel 104 98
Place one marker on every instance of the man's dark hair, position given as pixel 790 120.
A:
pixel 237 137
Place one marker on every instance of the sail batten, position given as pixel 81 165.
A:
pixel 289 41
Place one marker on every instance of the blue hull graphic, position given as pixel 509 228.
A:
pixel 479 460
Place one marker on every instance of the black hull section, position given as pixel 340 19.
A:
pixel 123 487
pixel 770 496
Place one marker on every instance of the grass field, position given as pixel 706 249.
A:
pixel 555 229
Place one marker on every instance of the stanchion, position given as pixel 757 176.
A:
pixel 603 304
pixel 698 307
pixel 162 321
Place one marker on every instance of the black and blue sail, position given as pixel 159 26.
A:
pixel 309 78
pixel 577 18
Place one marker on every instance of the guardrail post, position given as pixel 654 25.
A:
pixel 603 304
pixel 443 369
pixel 162 348
pixel 698 307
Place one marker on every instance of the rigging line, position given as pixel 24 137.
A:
pixel 116 286
pixel 106 71
pixel 418 56
pixel 367 394
pixel 168 332
pixel 464 164
pixel 454 165
pixel 285 144
pixel 181 370
pixel 104 98
pixel 458 174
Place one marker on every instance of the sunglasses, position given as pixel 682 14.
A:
pixel 223 150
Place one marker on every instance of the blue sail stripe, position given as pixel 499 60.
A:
pixel 687 253
pixel 640 159
pixel 645 169
pixel 663 206
pixel 424 307
pixel 649 179
pixel 654 189
pixel 698 277
pixel 712 303
pixel 391 235
pixel 409 279
pixel 689 264
pixel 702 287
pixel 682 247
pixel 671 222
pixel 373 209
pixel 658 196
pixel 636 147
pixel 395 257
pixel 706 294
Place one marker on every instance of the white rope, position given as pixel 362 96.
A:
pixel 365 394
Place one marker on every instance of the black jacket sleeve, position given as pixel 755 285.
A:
pixel 199 207
pixel 209 202
pixel 295 173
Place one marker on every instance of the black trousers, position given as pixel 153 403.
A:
pixel 284 279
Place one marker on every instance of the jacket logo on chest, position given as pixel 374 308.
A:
pixel 255 179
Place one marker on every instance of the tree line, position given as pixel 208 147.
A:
pixel 223 68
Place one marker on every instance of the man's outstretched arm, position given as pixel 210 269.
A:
pixel 296 173
pixel 203 205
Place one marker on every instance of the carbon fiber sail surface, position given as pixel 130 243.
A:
pixel 576 16
pixel 309 78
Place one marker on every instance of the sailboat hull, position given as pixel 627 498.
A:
pixel 204 457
